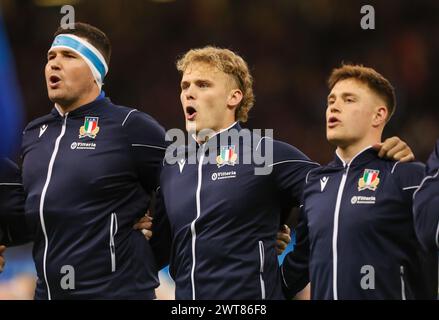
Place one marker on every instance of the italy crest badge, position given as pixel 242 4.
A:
pixel 369 180
pixel 90 128
pixel 227 156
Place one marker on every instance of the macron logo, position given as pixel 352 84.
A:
pixel 181 164
pixel 42 130
pixel 323 182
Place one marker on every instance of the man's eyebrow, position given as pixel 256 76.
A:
pixel 68 52
pixel 63 52
pixel 344 94
pixel 197 80
pixel 347 94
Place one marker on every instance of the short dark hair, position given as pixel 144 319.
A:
pixel 93 35
pixel 370 77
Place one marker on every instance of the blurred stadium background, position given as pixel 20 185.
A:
pixel 290 45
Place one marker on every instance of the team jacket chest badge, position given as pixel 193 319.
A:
pixel 227 156
pixel 90 128
pixel 369 180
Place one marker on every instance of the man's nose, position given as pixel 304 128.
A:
pixel 189 93
pixel 54 64
pixel 335 107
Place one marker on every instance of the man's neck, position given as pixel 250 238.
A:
pixel 204 138
pixel 67 108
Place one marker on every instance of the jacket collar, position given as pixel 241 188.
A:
pixel 214 141
pixel 86 109
pixel 216 137
pixel 364 156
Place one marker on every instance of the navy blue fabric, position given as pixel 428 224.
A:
pixel 13 229
pixel 229 251
pixel 379 234
pixel 99 185
pixel 426 203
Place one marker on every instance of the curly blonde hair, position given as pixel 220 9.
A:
pixel 230 63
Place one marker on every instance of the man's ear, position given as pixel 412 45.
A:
pixel 380 116
pixel 234 98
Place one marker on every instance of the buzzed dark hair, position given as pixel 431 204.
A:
pixel 93 35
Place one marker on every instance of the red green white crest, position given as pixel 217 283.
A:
pixel 369 180
pixel 90 128
pixel 227 156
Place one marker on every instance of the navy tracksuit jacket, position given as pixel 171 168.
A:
pixel 224 218
pixel 356 237
pixel 88 175
pixel 426 204
pixel 13 229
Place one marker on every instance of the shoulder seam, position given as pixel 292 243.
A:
pixel 394 167
pixel 259 143
pixel 307 175
pixel 126 118
pixel 147 146
pixel 293 160
pixel 423 181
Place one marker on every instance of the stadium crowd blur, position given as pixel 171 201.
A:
pixel 291 46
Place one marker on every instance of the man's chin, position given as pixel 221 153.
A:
pixel 335 140
pixel 57 98
pixel 53 96
pixel 191 126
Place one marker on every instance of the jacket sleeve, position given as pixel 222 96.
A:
pixel 426 204
pixel 13 228
pixel 294 269
pixel 290 168
pixel 408 177
pixel 161 238
pixel 146 140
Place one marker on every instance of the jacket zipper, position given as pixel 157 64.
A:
pixel 43 198
pixel 401 273
pixel 261 268
pixel 113 231
pixel 335 233
pixel 193 230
